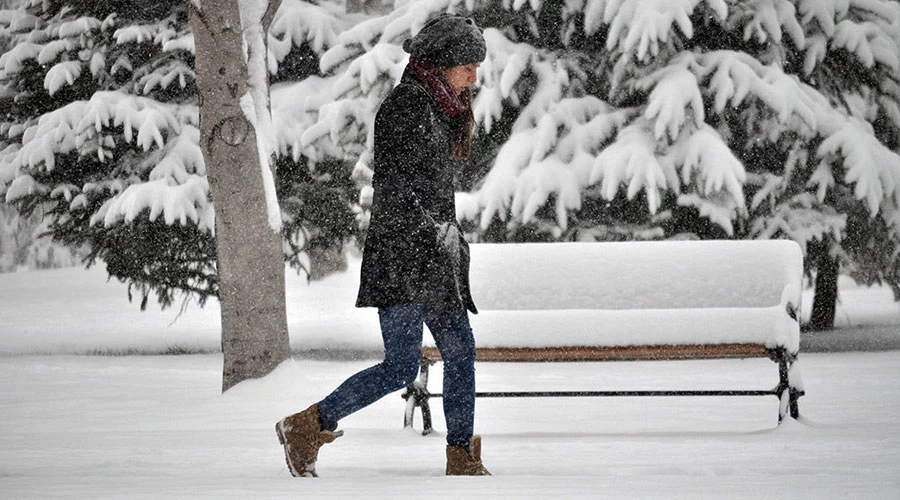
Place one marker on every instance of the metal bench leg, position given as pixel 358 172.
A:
pixel 417 396
pixel 794 405
pixel 794 396
pixel 788 395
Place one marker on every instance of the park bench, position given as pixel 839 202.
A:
pixel 672 300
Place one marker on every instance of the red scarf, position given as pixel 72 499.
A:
pixel 438 87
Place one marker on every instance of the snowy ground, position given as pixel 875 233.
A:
pixel 157 426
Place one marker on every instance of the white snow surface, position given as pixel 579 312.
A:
pixel 157 426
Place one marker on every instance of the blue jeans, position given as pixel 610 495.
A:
pixel 401 329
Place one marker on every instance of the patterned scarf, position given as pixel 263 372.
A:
pixel 438 87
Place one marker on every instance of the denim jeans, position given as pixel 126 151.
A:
pixel 401 329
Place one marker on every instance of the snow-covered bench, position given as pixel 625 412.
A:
pixel 548 302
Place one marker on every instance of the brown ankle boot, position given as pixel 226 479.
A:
pixel 301 436
pixel 466 462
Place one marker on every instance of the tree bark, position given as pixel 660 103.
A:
pixel 250 260
pixel 826 290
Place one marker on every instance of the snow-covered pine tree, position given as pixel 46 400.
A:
pixel 836 186
pixel 716 118
pixel 856 171
pixel 112 159
pixel 103 138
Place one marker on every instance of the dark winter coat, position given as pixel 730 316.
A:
pixel 403 262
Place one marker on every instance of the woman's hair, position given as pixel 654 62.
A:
pixel 463 124
pixel 462 119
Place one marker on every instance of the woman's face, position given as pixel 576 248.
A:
pixel 460 77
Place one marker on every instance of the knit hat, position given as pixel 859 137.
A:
pixel 446 41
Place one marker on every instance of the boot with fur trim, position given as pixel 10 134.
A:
pixel 302 437
pixel 466 462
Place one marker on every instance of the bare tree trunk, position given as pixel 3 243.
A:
pixel 826 289
pixel 250 260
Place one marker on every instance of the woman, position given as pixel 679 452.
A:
pixel 415 262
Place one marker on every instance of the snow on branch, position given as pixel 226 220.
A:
pixel 873 169
pixel 177 188
pixel 710 165
pixel 182 203
pixel 868 42
pixel 639 26
pixel 632 161
pixel 184 42
pixel 711 177
pixel 770 19
pixel 297 23
pixel 340 125
pixel 867 29
pixel 52 50
pixel 11 62
pixel 504 66
pixel 159 34
pixel 62 74
pixel 355 41
pixel 824 12
pixel 675 94
pixel 349 103
pixel 77 124
pixel 552 82
pixel 553 156
pixel 801 218
pixel 78 27
pixel 167 133
pixel 541 179
pixel 393 28
pixel 295 108
pixel 733 76
pixel 19 21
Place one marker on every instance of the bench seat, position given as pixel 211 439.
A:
pixel 621 353
pixel 768 326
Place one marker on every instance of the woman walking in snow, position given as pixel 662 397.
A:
pixel 415 263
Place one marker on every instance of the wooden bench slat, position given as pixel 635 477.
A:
pixel 619 353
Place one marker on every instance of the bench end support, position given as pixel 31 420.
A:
pixel 417 396
pixel 788 394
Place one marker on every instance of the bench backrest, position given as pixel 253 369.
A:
pixel 636 275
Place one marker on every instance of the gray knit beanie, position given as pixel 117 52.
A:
pixel 446 41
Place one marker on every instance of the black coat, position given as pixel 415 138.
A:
pixel 413 186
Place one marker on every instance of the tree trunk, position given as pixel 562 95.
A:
pixel 826 290
pixel 250 260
